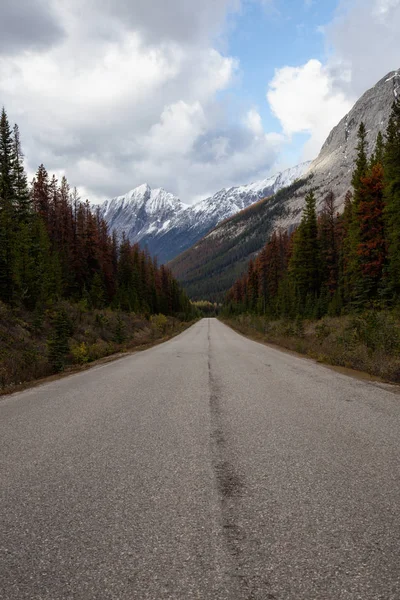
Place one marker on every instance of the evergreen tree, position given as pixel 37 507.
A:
pixel 343 228
pixel 97 294
pixel 7 161
pixel 361 160
pixel 391 163
pixel 7 211
pixel 22 196
pixel 58 346
pixel 372 246
pixel 379 153
pixel 353 270
pixel 41 195
pixel 304 264
pixel 252 287
pixel 328 245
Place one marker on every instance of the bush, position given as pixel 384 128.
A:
pixel 120 334
pixel 80 353
pixel 159 323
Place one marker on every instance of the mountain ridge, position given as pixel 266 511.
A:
pixel 159 220
pixel 209 269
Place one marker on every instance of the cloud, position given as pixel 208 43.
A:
pixel 158 21
pixel 133 92
pixel 304 101
pixel 28 24
pixel 362 42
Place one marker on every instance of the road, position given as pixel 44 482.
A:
pixel 209 467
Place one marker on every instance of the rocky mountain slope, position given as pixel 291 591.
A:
pixel 141 212
pixel 211 266
pixel 167 227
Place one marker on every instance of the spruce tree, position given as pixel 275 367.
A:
pixel 354 282
pixel 22 196
pixel 372 247
pixel 391 161
pixel 7 161
pixel 378 155
pixel 361 160
pixel 7 211
pixel 328 245
pixel 304 264
pixel 41 195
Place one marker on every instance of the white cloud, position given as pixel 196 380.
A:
pixel 254 123
pixel 303 100
pixel 129 92
pixel 363 43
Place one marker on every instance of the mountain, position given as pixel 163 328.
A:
pixel 212 265
pixel 167 227
pixel 141 212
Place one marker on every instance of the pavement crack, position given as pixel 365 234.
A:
pixel 229 482
pixel 231 488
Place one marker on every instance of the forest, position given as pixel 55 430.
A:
pixel 331 289
pixel 210 268
pixel 58 261
pixel 335 263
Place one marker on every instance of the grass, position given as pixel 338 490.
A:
pixel 368 342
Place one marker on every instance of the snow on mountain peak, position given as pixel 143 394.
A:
pixel 159 219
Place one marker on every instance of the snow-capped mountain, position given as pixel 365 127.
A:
pixel 141 212
pixel 161 221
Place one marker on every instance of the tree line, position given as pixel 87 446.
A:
pixel 335 263
pixel 55 247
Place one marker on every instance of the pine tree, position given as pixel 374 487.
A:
pixel 7 161
pixel 343 225
pixel 97 294
pixel 252 287
pixel 304 264
pixel 361 160
pixel 391 163
pixel 58 346
pixel 372 246
pixel 353 268
pixel 328 245
pixel 22 196
pixel 7 211
pixel 379 153
pixel 41 195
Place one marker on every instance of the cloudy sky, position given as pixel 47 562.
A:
pixel 190 96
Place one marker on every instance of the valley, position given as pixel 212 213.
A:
pixel 210 244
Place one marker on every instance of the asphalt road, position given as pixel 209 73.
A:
pixel 210 467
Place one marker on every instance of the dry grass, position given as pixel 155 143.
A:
pixel 368 342
pixel 93 335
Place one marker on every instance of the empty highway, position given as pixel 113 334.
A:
pixel 209 467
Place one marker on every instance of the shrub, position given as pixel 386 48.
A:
pixel 80 353
pixel 159 323
pixel 120 331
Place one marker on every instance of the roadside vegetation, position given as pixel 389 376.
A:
pixel 66 336
pixel 331 289
pixel 368 342
pixel 206 309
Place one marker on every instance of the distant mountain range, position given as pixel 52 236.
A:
pixel 159 220
pixel 210 267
